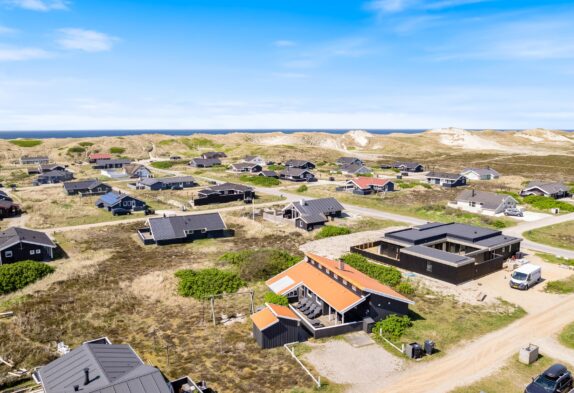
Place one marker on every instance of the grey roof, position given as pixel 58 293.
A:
pixel 439 255
pixel 315 210
pixel 353 168
pixel 206 161
pixel 496 240
pixel 6 204
pixel 4 196
pixel 57 173
pixel 112 368
pixel 482 171
pixel 347 160
pixel 426 233
pixel 268 173
pixel 132 168
pixel 51 167
pixel 167 180
pixel 213 154
pixel 82 184
pixel 36 158
pixel 289 171
pixel 112 198
pixel 444 175
pixel 488 200
pixel 15 235
pixel 548 187
pixel 297 163
pixel 168 228
pixel 244 165
pixel 230 186
pixel 407 164
pixel 122 161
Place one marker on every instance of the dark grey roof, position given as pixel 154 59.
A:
pixel 489 200
pixel 15 235
pixel 4 196
pixel 122 161
pixel 249 158
pixel 112 368
pixel 112 198
pixel 82 184
pixel 439 255
pixel 297 163
pixel 347 160
pixel 426 233
pixel 497 240
pixel 57 173
pixel 231 186
pixel 167 180
pixel 315 210
pixel 353 168
pixel 482 171
pixel 444 175
pixel 213 154
pixel 244 165
pixel 206 161
pixel 294 171
pixel 407 164
pixel 132 168
pixel 51 167
pixel 548 187
pixel 6 204
pixel 268 173
pixel 168 228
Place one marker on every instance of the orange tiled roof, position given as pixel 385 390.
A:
pixel 264 319
pixel 99 156
pixel 358 279
pixel 366 182
pixel 282 311
pixel 332 292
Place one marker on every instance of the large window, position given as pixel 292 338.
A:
pixel 8 254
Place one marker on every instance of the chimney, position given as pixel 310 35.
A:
pixel 341 264
pixel 302 202
pixel 76 388
pixel 86 376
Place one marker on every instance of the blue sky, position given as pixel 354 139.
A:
pixel 99 64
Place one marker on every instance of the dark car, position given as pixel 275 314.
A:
pixel 556 379
pixel 312 180
pixel 120 212
pixel 149 211
pixel 514 212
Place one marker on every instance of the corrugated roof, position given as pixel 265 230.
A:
pixel 315 210
pixel 15 235
pixel 427 232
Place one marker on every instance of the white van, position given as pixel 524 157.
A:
pixel 525 276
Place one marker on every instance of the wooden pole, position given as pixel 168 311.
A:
pixel 213 310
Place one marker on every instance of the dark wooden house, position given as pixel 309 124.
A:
pixel 275 325
pixel 445 179
pixel 345 161
pixel 301 164
pixel 204 162
pixel 9 209
pixel 86 187
pixel 115 200
pixel 246 167
pixel 53 177
pixel 296 175
pixel 308 214
pixel 19 244
pixel 112 164
pixel 213 154
pixel 222 193
pixel 184 229
pixel 167 183
pixel 554 190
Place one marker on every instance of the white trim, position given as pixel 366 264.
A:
pixel 403 300
pixel 27 242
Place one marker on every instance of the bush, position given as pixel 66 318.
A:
pixel 25 142
pixel 547 203
pixel 392 327
pixel 561 286
pixel 260 264
pixel 405 288
pixel 201 284
pixel 165 164
pixel 17 275
pixel 117 150
pixel 76 150
pixel 276 167
pixel 387 275
pixel 260 180
pixel 331 230
pixel 498 224
pixel 302 188
pixel 273 298
pixel 86 144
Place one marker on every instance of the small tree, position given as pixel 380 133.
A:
pixel 393 327
pixel 273 298
pixel 302 188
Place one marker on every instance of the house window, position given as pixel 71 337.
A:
pixel 203 230
pixel 354 287
pixel 31 252
pixel 429 267
pixel 38 251
pixel 345 282
pixel 8 254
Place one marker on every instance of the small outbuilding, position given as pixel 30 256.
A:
pixel 275 326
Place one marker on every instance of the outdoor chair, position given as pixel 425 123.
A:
pixel 302 303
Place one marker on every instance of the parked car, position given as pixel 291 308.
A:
pixel 514 212
pixel 525 276
pixel 149 211
pixel 331 178
pixel 312 180
pixel 556 379
pixel 121 212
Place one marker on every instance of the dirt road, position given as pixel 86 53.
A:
pixel 482 356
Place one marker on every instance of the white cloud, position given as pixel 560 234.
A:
pixel 4 30
pixel 284 43
pixel 85 40
pixel 39 5
pixel 22 54
pixel 396 6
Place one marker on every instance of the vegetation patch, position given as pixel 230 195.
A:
pixel 198 142
pixel 86 144
pixel 567 336
pixel 332 230
pixel 559 235
pixel 392 327
pixel 259 264
pixel 561 286
pixel 166 164
pixel 20 274
pixel 387 275
pixel 201 284
pixel 547 203
pixel 262 181
pixel 117 150
pixel 273 298
pixel 302 188
pixel 25 142
pixel 275 167
pixel 551 258
pixel 76 150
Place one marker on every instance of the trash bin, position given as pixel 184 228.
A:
pixel 429 347
pixel 417 351
pixel 529 354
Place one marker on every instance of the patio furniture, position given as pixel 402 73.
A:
pixel 302 303
pixel 307 307
pixel 310 309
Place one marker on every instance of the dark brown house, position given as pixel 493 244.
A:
pixel 19 244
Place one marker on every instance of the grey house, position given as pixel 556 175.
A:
pixel 242 167
pixel 484 202
pixel 554 190
pixel 269 174
pixel 213 154
pixel 480 173
pixel 53 177
pixel 296 174
pixel 344 161
pixel 46 168
pixel 445 179
pixel 307 214
pixel 167 183
pixel 183 229
pixel 111 164
pixel 39 160
pixel 4 196
pixel 99 366
pixel 406 166
pixel 204 162
pixel 355 169
pixel 137 171
pixel 19 244
pixel 301 164
pixel 453 252
pixel 115 200
pixel 86 187
pixel 223 193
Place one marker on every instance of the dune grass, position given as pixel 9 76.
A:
pixel 25 142
pixel 559 235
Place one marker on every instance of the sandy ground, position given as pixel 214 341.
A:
pixel 362 368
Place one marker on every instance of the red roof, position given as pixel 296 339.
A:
pixel 366 182
pixel 270 315
pixel 100 156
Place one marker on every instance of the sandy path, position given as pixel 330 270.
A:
pixel 483 356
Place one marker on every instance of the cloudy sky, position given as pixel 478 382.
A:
pixel 198 64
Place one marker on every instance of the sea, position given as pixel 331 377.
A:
pixel 99 133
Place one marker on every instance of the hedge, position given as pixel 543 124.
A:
pixel 302 188
pixel 20 274
pixel 201 284
pixel 273 298
pixel 385 274
pixel 117 150
pixel 259 264
pixel 332 230
pixel 547 203
pixel 76 150
pixel 392 327
pixel 260 180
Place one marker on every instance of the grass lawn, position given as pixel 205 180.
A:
pixel 563 286
pixel 559 235
pixel 567 336
pixel 551 258
pixel 26 142
pixel 419 201
pixel 512 378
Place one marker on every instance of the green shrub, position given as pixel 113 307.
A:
pixel 25 142
pixel 86 144
pixel 273 298
pixel 547 203
pixel 17 275
pixel 166 164
pixel 201 284
pixel 276 167
pixel 498 224
pixel 262 181
pixel 260 264
pixel 302 188
pixel 561 286
pixel 76 150
pixel 331 230
pixel 405 288
pixel 392 327
pixel 387 275
pixel 117 150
